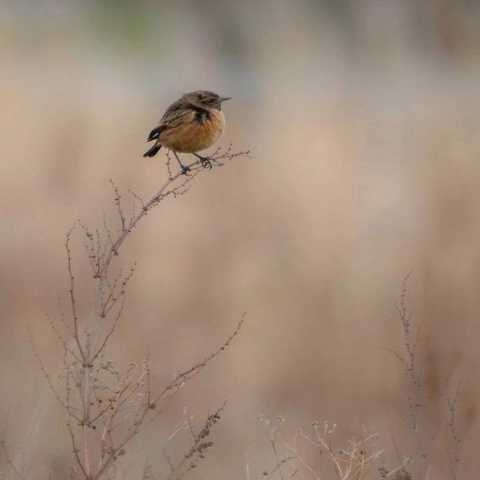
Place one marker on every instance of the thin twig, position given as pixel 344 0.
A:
pixel 182 377
pixel 73 302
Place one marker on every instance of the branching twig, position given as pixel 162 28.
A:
pixel 106 408
pixel 455 441
pixel 200 445
pixel 186 375
pixel 169 188
pixel 71 291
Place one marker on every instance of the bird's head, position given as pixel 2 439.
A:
pixel 205 99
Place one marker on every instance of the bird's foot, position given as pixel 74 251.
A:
pixel 206 162
pixel 185 169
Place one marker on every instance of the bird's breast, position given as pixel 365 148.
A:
pixel 195 135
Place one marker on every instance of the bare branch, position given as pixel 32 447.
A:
pixel 73 301
pixel 110 332
pixel 106 408
pixel 197 451
pixel 118 204
pixel 186 375
pixel 169 188
pixel 47 376
pixel 454 435
pixel 75 449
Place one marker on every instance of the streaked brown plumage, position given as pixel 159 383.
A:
pixel 191 124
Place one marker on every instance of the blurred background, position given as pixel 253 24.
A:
pixel 362 117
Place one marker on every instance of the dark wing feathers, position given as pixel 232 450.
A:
pixel 173 120
pixel 155 133
pixel 173 108
pixel 176 114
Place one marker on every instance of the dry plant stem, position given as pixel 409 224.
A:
pixel 353 462
pixel 415 401
pixel 295 450
pixel 126 393
pixel 71 291
pixel 455 441
pixel 48 378
pixel 86 409
pixel 279 462
pixel 200 444
pixel 166 190
pixel 423 430
pixel 273 426
pixel 106 408
pixel 186 375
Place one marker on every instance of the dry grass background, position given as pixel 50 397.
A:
pixel 365 166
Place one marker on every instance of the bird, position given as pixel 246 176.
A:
pixel 189 125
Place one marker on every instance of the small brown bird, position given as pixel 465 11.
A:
pixel 191 124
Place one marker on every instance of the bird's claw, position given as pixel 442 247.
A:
pixel 206 162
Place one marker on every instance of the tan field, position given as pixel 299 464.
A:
pixel 364 167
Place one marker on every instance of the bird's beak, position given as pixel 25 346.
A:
pixel 224 99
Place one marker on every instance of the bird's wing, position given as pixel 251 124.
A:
pixel 182 106
pixel 174 115
pixel 155 133
pixel 175 107
pixel 178 113
pixel 176 119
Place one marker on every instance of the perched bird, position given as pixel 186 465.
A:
pixel 191 124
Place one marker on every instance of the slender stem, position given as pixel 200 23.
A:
pixel 73 304
pixel 142 213
pixel 86 412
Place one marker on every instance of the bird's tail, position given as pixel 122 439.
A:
pixel 153 151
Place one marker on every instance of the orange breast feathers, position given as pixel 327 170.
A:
pixel 193 134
